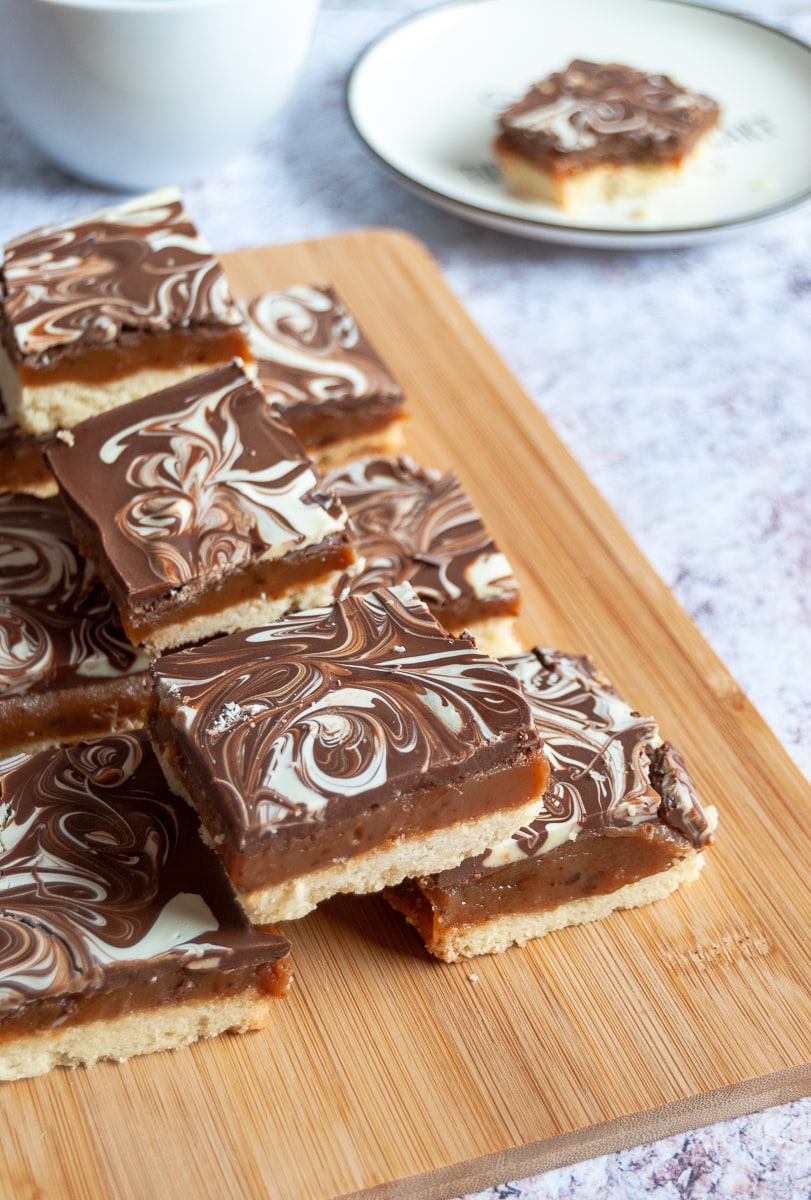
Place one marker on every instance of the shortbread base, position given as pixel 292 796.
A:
pixel 496 636
pixel 603 183
pixel 384 866
pixel 385 442
pixel 257 610
pixel 46 407
pixel 135 1033
pixel 516 929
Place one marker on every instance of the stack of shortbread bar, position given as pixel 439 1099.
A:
pixel 252 655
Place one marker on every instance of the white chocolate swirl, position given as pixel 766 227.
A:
pixel 310 351
pixel 141 265
pixel 54 616
pixel 103 876
pixel 419 526
pixel 609 766
pixel 356 702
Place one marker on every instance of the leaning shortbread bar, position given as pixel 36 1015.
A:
pixel 66 669
pixel 620 826
pixel 22 466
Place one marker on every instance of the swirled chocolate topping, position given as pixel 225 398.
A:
pixel 610 768
pixel 593 111
pixel 58 625
pixel 104 879
pixel 139 267
pixel 189 484
pixel 334 710
pixel 311 354
pixel 418 526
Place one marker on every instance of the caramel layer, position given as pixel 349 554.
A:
pixel 176 987
pixel 562 165
pixel 322 428
pixel 22 467
pixel 300 847
pixel 66 714
pixel 595 864
pixel 162 350
pixel 272 579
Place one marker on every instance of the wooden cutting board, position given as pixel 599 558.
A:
pixel 390 1075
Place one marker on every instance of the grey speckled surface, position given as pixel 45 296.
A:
pixel 680 381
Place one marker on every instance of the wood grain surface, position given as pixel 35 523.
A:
pixel 390 1075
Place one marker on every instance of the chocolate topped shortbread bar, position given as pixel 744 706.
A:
pixel 119 932
pixel 620 826
pixel 597 131
pixel 201 511
pixel 417 525
pixel 66 669
pixel 316 364
pixel 99 310
pixel 345 748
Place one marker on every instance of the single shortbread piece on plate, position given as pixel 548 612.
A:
pixel 201 511
pixel 419 526
pixel 119 932
pixel 99 310
pixel 595 132
pixel 66 669
pixel 345 748
pixel 620 826
pixel 314 362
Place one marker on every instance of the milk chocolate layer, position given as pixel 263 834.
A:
pixel 178 493
pixel 137 270
pixel 110 900
pixel 287 734
pixel 417 525
pixel 593 113
pixel 318 367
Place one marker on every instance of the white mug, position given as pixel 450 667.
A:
pixel 140 93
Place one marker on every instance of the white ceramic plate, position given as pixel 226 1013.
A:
pixel 424 96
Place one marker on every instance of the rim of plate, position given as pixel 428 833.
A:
pixel 656 237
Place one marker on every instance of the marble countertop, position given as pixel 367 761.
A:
pixel 679 380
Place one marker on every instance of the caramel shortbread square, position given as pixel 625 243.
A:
pixel 419 526
pixel 595 132
pixel 96 311
pixel 201 511
pixel 314 362
pixel 119 932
